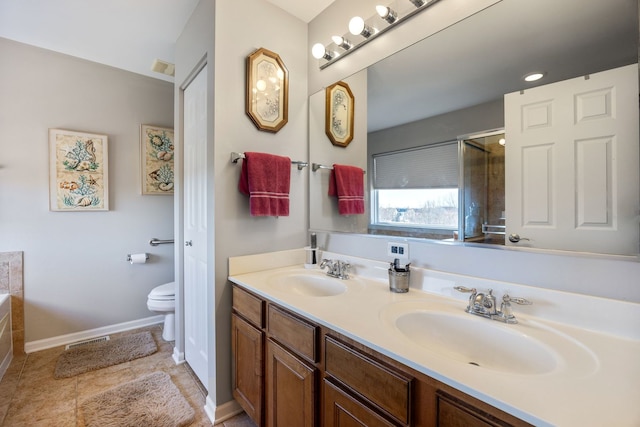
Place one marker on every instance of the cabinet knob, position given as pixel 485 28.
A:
pixel 188 243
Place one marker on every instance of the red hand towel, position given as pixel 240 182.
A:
pixel 265 178
pixel 347 183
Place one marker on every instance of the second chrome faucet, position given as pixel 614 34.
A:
pixel 484 304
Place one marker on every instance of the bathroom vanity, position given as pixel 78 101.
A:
pixel 309 350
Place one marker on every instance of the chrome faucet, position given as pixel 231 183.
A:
pixel 336 268
pixel 484 304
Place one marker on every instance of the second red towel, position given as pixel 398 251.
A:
pixel 347 182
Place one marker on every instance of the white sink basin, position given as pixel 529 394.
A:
pixel 527 348
pixel 312 283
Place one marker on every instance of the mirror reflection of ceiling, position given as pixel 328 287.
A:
pixel 486 55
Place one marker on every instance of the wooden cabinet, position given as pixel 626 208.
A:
pixel 247 343
pixel 290 389
pixel 341 409
pixel 247 347
pixel 290 372
pixel 382 389
pixel 453 412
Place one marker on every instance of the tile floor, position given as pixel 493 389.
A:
pixel 30 396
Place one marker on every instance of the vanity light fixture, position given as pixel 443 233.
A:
pixel 387 13
pixel 368 29
pixel 357 27
pixel 532 77
pixel 342 42
pixel 319 52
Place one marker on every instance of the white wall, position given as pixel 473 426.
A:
pixel 75 272
pixel 224 33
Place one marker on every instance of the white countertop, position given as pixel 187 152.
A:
pixel 599 387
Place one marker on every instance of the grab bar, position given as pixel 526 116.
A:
pixel 237 156
pixel 156 242
pixel 493 229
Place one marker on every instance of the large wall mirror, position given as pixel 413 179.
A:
pixel 452 86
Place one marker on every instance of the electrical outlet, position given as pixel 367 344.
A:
pixel 398 250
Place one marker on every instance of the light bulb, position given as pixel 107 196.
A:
pixel 387 14
pixel 318 50
pixel 356 25
pixel 502 142
pixel 342 42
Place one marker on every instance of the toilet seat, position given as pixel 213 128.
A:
pixel 164 292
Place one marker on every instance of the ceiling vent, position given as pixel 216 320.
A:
pixel 163 67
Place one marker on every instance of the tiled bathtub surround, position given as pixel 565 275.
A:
pixel 11 282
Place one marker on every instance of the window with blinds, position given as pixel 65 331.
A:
pixel 417 188
pixel 431 166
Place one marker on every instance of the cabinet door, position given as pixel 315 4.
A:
pixel 247 346
pixel 290 389
pixel 342 410
pixel 453 412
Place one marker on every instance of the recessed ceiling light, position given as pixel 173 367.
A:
pixel 532 77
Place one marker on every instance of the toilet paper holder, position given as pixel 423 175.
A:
pixel 146 256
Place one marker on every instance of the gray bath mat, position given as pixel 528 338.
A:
pixel 153 400
pixel 100 355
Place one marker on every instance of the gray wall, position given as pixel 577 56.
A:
pixel 222 34
pixel 75 272
pixel 445 127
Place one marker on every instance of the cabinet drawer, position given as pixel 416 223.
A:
pixel 342 409
pixel 453 412
pixel 297 334
pixel 385 389
pixel 248 306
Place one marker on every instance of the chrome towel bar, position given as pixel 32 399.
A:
pixel 237 156
pixel 316 166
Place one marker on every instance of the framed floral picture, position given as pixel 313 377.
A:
pixel 267 100
pixel 339 109
pixel 78 171
pixel 157 160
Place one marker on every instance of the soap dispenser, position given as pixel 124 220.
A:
pixel 312 253
pixel 399 277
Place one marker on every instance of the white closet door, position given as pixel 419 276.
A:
pixel 572 163
pixel 195 226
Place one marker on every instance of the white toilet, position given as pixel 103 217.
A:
pixel 162 299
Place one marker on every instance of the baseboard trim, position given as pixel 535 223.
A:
pixel 221 413
pixel 31 346
pixel 178 356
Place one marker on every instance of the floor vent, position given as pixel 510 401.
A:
pixel 91 341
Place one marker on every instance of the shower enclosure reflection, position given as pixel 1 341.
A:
pixel 482 213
